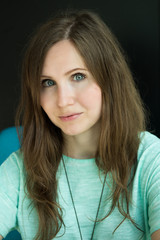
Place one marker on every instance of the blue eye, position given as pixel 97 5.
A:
pixel 47 83
pixel 78 77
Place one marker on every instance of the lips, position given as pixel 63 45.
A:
pixel 70 116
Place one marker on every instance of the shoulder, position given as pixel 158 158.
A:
pixel 148 162
pixel 11 191
pixel 12 168
pixel 149 147
pixel 15 159
pixel 148 139
pixel 147 179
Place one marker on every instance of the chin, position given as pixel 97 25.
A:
pixel 73 132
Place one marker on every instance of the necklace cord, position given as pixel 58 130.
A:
pixel 72 200
pixel 98 207
pixel 74 204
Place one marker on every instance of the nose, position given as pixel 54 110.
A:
pixel 65 96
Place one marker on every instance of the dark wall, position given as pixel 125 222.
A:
pixel 135 23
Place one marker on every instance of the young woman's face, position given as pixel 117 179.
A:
pixel 70 95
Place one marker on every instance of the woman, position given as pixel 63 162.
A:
pixel 87 169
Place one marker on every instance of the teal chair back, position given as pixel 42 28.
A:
pixel 9 143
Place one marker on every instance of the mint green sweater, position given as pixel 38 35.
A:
pixel 86 185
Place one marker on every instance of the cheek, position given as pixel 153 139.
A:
pixel 92 97
pixel 46 102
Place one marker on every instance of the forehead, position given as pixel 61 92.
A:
pixel 63 56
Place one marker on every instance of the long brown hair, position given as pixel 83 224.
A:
pixel 122 118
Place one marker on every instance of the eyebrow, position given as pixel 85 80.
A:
pixel 75 69
pixel 70 71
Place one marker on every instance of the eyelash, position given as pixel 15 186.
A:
pixel 53 83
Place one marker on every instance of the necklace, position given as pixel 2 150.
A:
pixel 79 228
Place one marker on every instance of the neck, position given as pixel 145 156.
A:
pixel 82 146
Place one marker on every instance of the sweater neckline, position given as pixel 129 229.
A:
pixel 78 160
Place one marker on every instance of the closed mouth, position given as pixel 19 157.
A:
pixel 71 116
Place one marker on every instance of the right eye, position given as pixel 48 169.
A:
pixel 48 83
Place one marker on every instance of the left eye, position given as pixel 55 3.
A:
pixel 78 77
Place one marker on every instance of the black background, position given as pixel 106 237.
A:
pixel 134 22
